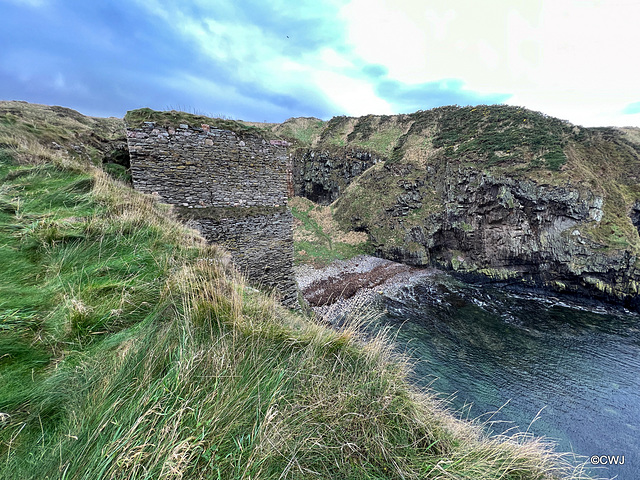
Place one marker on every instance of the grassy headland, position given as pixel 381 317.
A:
pixel 129 348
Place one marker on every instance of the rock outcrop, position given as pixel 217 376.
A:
pixel 496 194
pixel 322 175
pixel 506 229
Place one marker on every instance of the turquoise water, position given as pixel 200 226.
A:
pixel 574 370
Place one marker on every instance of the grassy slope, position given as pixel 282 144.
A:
pixel 499 140
pixel 318 239
pixel 304 131
pixel 30 130
pixel 130 349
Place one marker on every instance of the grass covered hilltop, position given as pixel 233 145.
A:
pixel 129 348
pixel 495 193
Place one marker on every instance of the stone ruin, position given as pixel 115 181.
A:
pixel 231 186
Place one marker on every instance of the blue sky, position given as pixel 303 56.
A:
pixel 271 60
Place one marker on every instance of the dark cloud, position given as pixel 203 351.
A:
pixel 84 54
pixel 104 58
pixel 409 98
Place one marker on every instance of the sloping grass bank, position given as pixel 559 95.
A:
pixel 130 349
pixel 317 237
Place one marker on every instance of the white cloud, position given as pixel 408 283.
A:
pixel 355 97
pixel 332 59
pixel 571 58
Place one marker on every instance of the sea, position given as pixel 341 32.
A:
pixel 523 362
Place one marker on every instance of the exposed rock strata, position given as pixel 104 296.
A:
pixel 504 229
pixel 494 194
pixel 322 175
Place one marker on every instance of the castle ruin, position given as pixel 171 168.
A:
pixel 231 186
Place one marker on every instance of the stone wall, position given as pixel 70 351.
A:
pixel 232 187
pixel 205 166
pixel 260 243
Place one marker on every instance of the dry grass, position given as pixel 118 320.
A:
pixel 323 215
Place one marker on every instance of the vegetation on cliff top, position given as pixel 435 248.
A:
pixel 33 130
pixel 174 118
pixel 498 137
pixel 131 349
pixel 303 131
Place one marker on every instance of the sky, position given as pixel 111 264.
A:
pixel 269 60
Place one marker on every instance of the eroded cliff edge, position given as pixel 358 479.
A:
pixel 495 193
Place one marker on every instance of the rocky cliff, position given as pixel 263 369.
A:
pixel 322 175
pixel 498 193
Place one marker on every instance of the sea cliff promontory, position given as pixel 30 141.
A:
pixel 494 193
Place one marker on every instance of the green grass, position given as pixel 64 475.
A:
pixel 130 349
pixel 496 136
pixel 75 271
pixel 377 134
pixel 119 172
pixel 492 136
pixel 304 131
pixel 382 142
pixel 322 244
pixel 322 254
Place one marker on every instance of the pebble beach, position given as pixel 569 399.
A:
pixel 346 286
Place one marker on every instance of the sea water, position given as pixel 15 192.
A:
pixel 568 372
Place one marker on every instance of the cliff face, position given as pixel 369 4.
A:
pixel 501 228
pixel 322 175
pixel 506 195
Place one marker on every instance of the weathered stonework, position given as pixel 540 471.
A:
pixel 232 187
pixel 259 243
